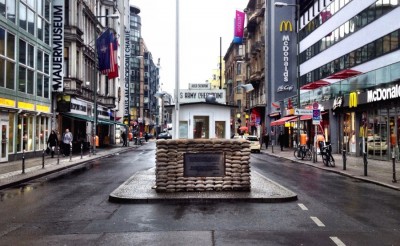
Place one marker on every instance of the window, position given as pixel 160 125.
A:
pixel 220 129
pixel 394 40
pixel 22 16
pixel 201 127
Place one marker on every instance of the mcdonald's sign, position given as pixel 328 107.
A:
pixel 286 25
pixel 353 100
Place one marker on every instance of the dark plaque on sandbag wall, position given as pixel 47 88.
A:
pixel 204 164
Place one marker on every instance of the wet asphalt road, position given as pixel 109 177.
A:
pixel 72 208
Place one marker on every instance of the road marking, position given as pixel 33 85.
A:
pixel 337 241
pixel 301 205
pixel 317 221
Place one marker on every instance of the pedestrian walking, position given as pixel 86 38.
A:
pixel 67 142
pixel 52 142
pixel 281 140
pixel 123 136
pixel 266 140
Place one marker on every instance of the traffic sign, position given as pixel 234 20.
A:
pixel 299 111
pixel 316 116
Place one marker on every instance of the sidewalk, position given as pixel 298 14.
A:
pixel 11 172
pixel 378 172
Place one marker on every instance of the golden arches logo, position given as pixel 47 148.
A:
pixel 353 100
pixel 286 25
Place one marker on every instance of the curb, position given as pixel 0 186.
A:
pixel 57 168
pixel 365 179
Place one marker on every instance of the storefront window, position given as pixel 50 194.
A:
pixel 11 133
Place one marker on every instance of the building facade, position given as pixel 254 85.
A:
pixel 350 68
pixel 143 109
pixel 25 68
pixel 255 66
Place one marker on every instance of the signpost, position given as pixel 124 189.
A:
pixel 299 111
pixel 316 119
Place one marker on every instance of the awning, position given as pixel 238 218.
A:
pixel 109 122
pixel 306 117
pixel 315 85
pixel 344 74
pixel 77 116
pixel 282 121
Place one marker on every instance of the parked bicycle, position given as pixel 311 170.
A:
pixel 303 153
pixel 326 154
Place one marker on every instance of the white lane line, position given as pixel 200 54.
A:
pixel 337 241
pixel 301 205
pixel 317 221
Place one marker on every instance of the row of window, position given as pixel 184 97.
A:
pixel 356 23
pixel 322 17
pixel 29 12
pixel 368 52
pixel 34 65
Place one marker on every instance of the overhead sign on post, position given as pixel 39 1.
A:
pixel 299 111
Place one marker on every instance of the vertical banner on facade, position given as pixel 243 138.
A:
pixel 127 57
pixel 58 45
pixel 285 39
pixel 239 27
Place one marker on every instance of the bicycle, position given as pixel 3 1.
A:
pixel 303 153
pixel 326 154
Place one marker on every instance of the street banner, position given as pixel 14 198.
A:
pixel 239 27
pixel 104 46
pixel 114 61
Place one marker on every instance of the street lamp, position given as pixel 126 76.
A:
pixel 94 125
pixel 297 21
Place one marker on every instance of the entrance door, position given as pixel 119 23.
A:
pixel 4 141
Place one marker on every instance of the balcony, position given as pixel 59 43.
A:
pixel 73 86
pixel 107 101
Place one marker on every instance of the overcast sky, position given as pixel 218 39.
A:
pixel 202 23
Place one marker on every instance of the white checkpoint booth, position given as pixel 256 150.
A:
pixel 202 120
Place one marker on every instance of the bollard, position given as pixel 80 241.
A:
pixel 344 159
pixel 365 164
pixel 272 146
pixel 43 159
pixel 90 150
pixel 23 161
pixel 81 151
pixel 394 166
pixel 58 154
pixel 70 152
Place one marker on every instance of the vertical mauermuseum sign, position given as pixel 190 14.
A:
pixel 58 45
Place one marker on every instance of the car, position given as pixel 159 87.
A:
pixel 254 143
pixel 376 144
pixel 164 135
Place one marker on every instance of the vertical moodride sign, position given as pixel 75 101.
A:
pixel 285 52
pixel 58 45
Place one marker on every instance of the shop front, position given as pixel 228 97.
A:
pixel 370 122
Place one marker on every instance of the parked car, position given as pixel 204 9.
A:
pixel 376 144
pixel 254 143
pixel 164 135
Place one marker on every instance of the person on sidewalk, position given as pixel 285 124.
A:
pixel 266 139
pixel 123 136
pixel 52 142
pixel 67 141
pixel 281 140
